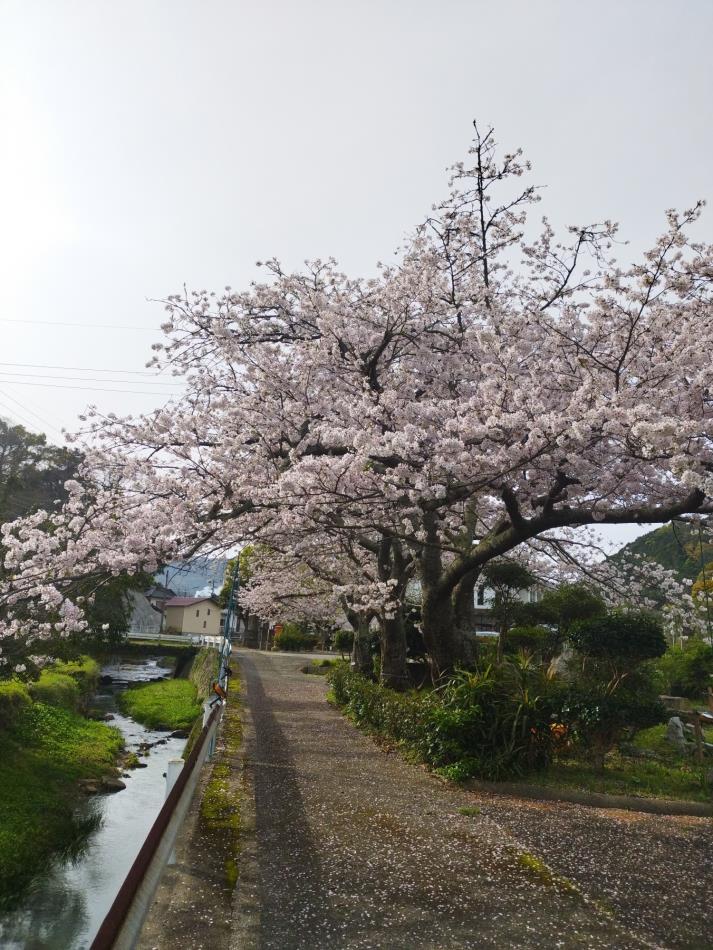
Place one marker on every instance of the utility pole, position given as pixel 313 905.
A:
pixel 706 592
pixel 226 645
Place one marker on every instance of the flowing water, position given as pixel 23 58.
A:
pixel 63 909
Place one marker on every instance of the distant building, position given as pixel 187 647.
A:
pixel 145 617
pixel 158 595
pixel 199 616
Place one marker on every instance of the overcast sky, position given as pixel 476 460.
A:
pixel 152 143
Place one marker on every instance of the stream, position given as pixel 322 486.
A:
pixel 63 909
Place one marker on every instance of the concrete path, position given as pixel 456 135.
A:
pixel 352 847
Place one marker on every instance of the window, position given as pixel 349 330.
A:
pixel 481 596
pixel 205 624
pixel 198 613
pixel 209 611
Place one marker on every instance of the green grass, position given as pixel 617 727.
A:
pixel 42 755
pixel 66 684
pixel 470 811
pixel 319 667
pixel 647 778
pixel 669 775
pixel 536 869
pixel 171 704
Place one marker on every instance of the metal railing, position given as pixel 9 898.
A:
pixel 122 925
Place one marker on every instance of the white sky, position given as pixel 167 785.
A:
pixel 155 142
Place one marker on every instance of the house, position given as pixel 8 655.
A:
pixel 199 616
pixel 158 595
pixel 484 622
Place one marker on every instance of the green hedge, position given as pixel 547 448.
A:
pixel 492 723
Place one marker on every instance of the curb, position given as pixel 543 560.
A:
pixel 654 806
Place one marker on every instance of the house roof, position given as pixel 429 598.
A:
pixel 189 601
pixel 158 590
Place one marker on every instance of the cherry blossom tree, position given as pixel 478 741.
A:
pixel 493 388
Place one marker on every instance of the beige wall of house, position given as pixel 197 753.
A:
pixel 200 619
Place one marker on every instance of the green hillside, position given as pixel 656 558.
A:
pixel 675 548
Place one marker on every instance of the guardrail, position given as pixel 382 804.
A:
pixel 122 925
pixel 192 639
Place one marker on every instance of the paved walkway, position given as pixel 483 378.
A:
pixel 352 847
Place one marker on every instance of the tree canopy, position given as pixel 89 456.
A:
pixel 493 388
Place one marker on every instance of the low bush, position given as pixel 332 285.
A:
pixel 531 639
pixel 343 641
pixel 491 723
pixel 686 671
pixel 293 639
pixel 597 718
pixel 14 698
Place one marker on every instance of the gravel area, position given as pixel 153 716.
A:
pixel 352 847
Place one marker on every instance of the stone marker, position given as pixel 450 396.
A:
pixel 675 734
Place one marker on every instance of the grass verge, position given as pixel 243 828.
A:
pixel 220 805
pixel 171 704
pixel 646 778
pixel 42 755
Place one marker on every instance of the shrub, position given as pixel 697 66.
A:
pixel 687 671
pixel 530 639
pixel 56 689
pixel 598 717
pixel 628 638
pixel 293 639
pixel 491 723
pixel 343 641
pixel 14 697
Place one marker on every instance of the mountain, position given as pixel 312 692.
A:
pixel 675 546
pixel 198 575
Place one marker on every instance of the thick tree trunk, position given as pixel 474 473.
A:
pixel 437 628
pixel 393 653
pixel 436 605
pixel 466 645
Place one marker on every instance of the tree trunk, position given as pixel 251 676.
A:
pixel 252 631
pixel 361 661
pixel 437 628
pixel 393 653
pixel 436 605
pixel 466 645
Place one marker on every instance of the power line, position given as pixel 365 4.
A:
pixel 82 369
pixel 88 379
pixel 86 326
pixel 92 389
pixel 44 422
